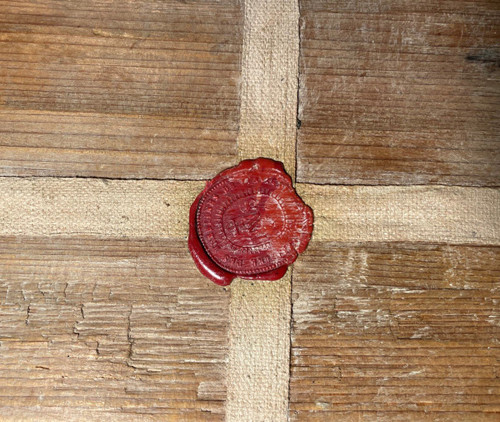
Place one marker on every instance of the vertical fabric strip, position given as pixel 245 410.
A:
pixel 269 81
pixel 259 338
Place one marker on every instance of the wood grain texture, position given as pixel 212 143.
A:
pixel 144 89
pixel 103 315
pixel 396 332
pixel 399 92
pixel 109 329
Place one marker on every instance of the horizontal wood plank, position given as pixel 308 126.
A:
pixel 395 331
pixel 116 328
pixel 145 89
pixel 399 92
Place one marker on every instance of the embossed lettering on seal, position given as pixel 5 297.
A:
pixel 248 222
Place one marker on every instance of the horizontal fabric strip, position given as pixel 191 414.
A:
pixel 150 208
pixel 431 214
pixel 93 207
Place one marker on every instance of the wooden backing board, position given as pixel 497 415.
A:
pixel 145 89
pixel 413 286
pixel 112 328
pixel 399 92
pixel 395 331
pixel 97 322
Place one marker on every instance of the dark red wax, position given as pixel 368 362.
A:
pixel 248 222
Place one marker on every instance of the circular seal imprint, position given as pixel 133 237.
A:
pixel 248 222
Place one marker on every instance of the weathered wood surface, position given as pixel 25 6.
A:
pixel 144 89
pixel 396 332
pixel 113 329
pixel 120 327
pixel 399 92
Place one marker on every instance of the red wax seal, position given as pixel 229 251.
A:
pixel 248 222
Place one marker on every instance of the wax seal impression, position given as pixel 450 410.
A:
pixel 248 222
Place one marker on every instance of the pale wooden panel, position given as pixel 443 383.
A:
pixel 395 332
pixel 119 89
pixel 399 92
pixel 114 328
